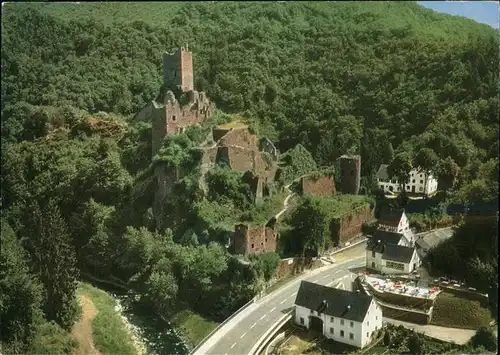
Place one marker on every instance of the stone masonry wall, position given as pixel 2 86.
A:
pixel 406 315
pixel 186 70
pixel 321 186
pixel 350 225
pixel 254 240
pixel 240 138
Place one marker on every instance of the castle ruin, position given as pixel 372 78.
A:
pixel 178 106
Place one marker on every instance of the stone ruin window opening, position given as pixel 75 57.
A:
pixel 173 118
pixel 252 245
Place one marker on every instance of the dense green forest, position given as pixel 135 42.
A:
pixel 394 82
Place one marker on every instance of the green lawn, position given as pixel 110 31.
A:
pixel 455 312
pixel 193 326
pixel 110 336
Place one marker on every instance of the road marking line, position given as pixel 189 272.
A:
pixel 271 311
pixel 253 325
pixel 315 281
pixel 232 346
pixel 338 271
pixel 294 294
pixel 326 276
pixel 328 284
pixel 283 301
pixel 241 337
pixel 261 318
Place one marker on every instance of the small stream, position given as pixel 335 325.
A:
pixel 152 335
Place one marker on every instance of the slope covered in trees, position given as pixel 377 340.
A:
pixel 332 77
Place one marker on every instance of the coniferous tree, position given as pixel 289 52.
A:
pixel 53 259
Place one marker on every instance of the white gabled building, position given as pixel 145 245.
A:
pixel 343 316
pixel 416 184
pixel 391 249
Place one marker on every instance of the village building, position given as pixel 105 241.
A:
pixel 419 183
pixel 391 249
pixel 391 253
pixel 343 316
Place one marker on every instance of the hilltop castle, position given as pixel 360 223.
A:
pixel 178 105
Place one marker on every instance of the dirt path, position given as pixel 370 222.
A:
pixel 82 330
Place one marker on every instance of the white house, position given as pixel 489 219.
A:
pixel 343 316
pixel 417 182
pixel 396 221
pixel 391 253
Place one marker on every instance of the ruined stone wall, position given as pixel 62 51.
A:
pixel 253 240
pixel 177 118
pixel 350 174
pixel 321 186
pixel 158 129
pixel 350 225
pixel 240 138
pixel 238 159
pixel 293 266
pixel 166 179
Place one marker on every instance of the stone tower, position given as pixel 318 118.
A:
pixel 178 70
pixel 350 174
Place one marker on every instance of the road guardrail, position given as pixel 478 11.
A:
pixel 264 339
pixel 252 301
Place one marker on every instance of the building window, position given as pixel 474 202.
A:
pixel 393 265
pixel 373 253
pixel 367 335
pixel 421 175
pixel 342 333
pixel 266 240
pixel 421 181
pixel 368 323
pixel 341 322
pixel 173 118
pixel 332 319
pixel 376 318
pixel 373 264
pixel 301 321
pixel 252 246
pixel 413 181
pixel 407 187
pixel 376 327
pixel 420 189
pixel 331 330
pixel 352 324
pixel 351 336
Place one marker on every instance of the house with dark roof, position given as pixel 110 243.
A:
pixel 344 316
pixel 391 253
pixel 419 183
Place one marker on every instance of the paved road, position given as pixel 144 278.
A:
pixel 262 315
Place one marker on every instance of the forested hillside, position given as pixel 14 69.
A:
pixel 390 81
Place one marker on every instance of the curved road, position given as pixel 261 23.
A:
pixel 240 334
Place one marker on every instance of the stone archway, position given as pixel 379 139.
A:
pixel 316 324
